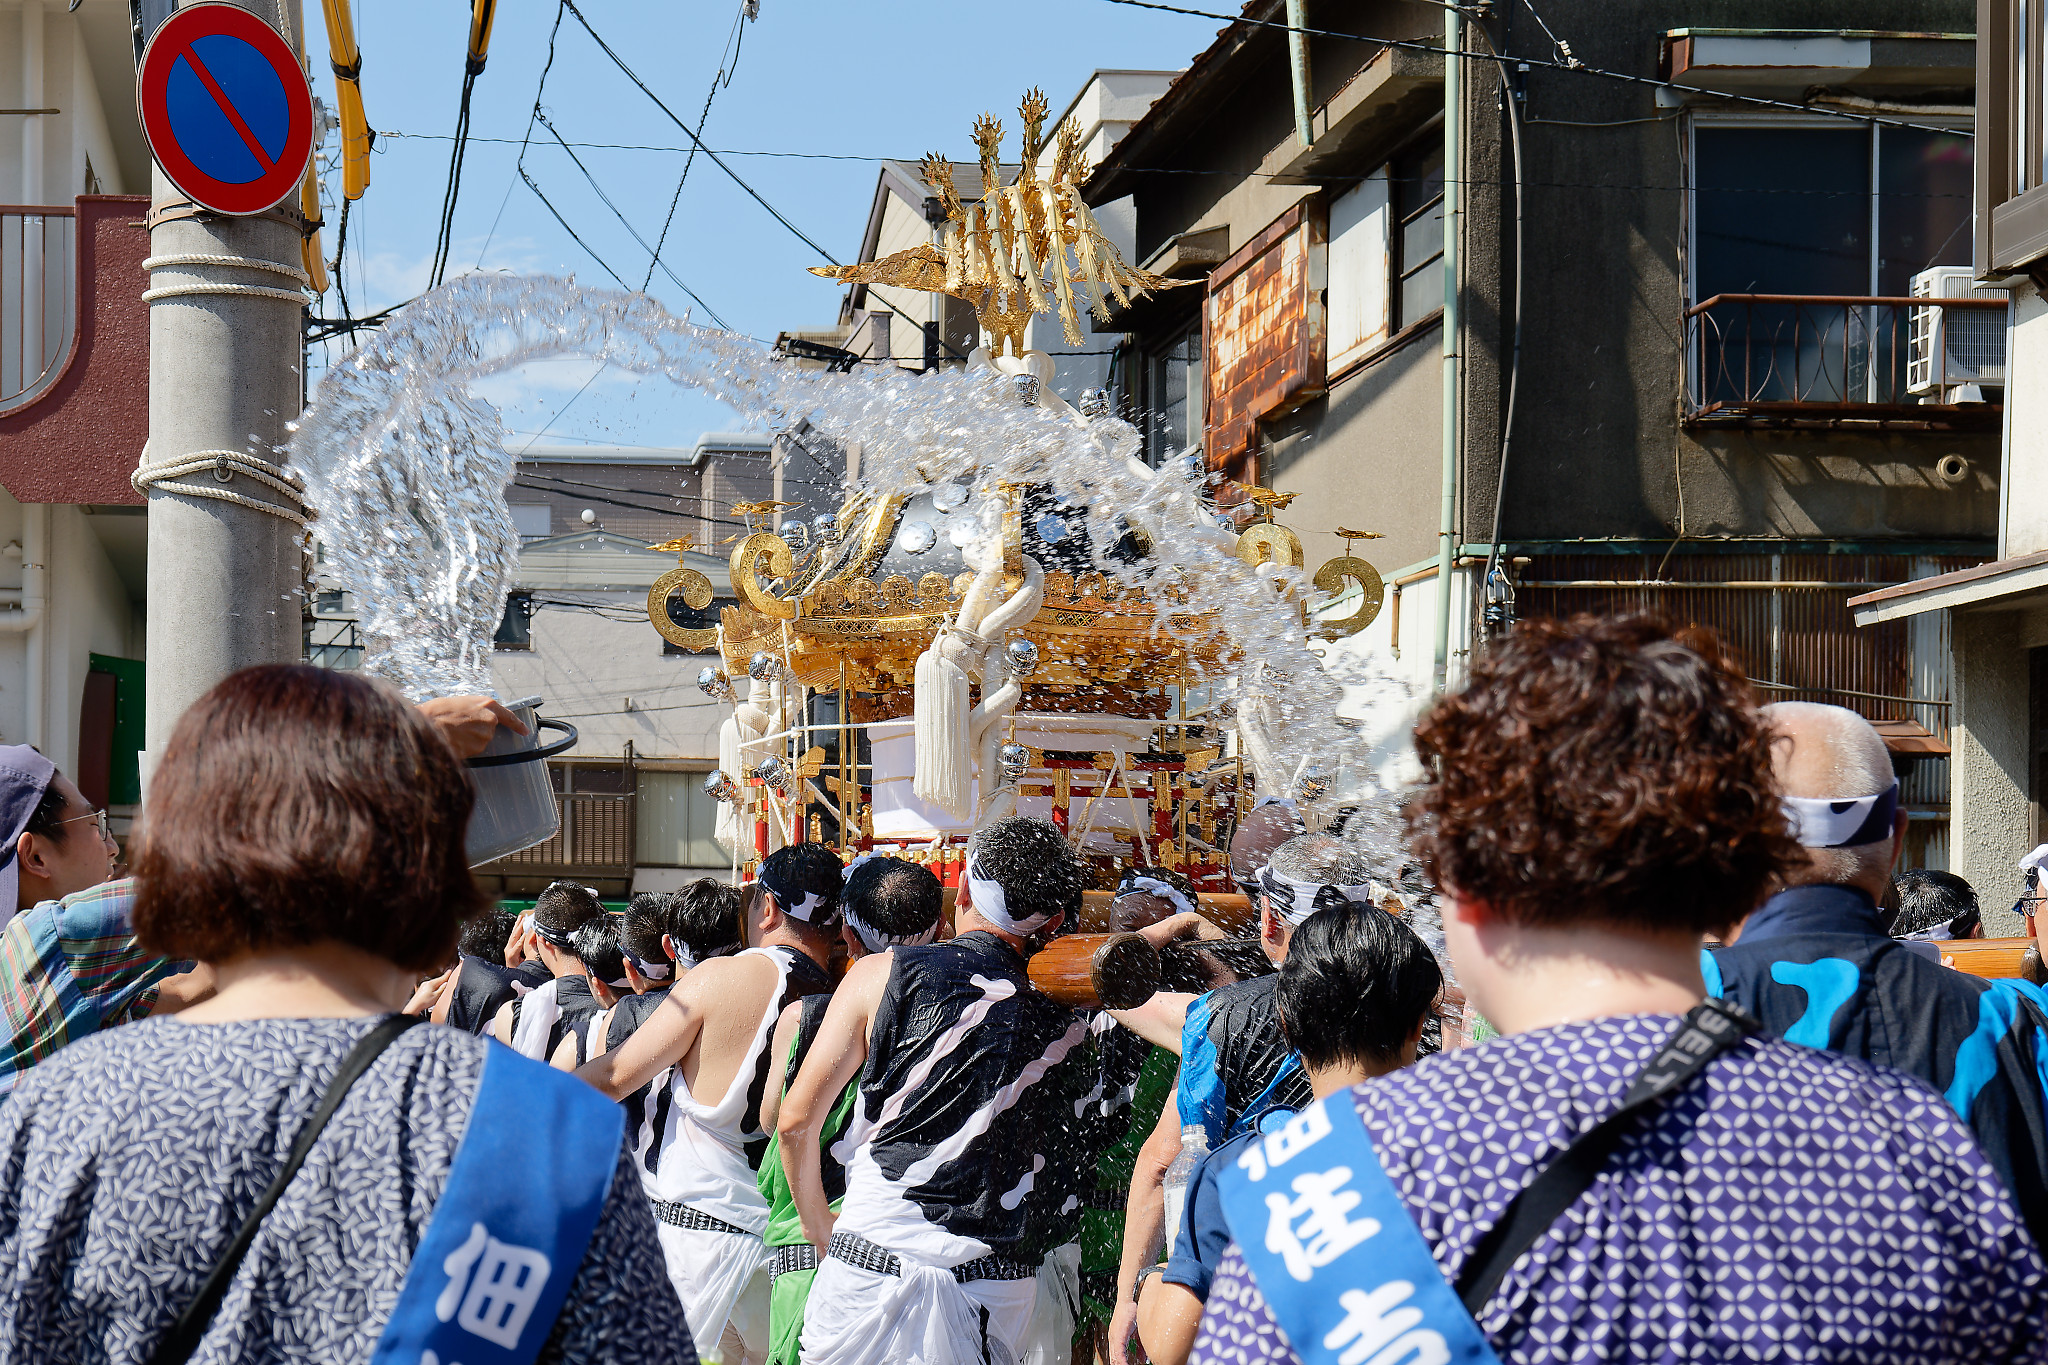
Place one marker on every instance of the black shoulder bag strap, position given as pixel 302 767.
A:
pixel 182 1340
pixel 1710 1029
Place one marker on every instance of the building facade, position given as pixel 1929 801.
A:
pixel 74 392
pixel 599 527
pixel 1681 376
pixel 1995 615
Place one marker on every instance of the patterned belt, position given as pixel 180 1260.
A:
pixel 783 1260
pixel 855 1250
pixel 683 1216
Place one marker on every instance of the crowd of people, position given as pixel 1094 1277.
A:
pixel 295 1091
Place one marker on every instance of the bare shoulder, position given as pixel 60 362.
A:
pixel 867 979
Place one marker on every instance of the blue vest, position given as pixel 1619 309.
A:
pixel 523 1197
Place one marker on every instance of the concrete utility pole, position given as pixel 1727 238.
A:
pixel 225 355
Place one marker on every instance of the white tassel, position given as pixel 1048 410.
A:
pixel 944 760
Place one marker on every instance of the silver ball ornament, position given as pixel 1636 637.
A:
pixel 1022 657
pixel 772 772
pixel 720 787
pixel 1013 760
pixel 764 667
pixel 713 683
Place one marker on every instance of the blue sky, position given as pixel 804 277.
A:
pixel 854 80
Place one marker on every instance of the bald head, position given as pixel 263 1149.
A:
pixel 1829 753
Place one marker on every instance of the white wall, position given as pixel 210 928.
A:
pixel 88 612
pixel 2025 489
pixel 66 138
pixel 586 666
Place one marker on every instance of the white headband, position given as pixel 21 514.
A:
pixel 653 971
pixel 875 941
pixel 1152 886
pixel 986 899
pixel 1818 822
pixel 1295 900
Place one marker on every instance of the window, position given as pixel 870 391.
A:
pixel 515 631
pixel 1826 210
pixel 1173 396
pixel 531 519
pixel 1419 232
pixel 676 822
pixel 1822 213
pixel 1358 270
pixel 2012 169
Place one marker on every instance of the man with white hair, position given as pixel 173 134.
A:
pixel 1815 962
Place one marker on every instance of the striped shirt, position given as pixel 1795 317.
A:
pixel 70 968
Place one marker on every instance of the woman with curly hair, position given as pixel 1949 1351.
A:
pixel 1632 1172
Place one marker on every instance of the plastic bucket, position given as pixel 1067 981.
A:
pixel 515 801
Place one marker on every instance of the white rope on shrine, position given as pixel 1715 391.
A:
pixel 196 258
pixel 224 466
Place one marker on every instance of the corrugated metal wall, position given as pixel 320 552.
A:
pixel 1799 643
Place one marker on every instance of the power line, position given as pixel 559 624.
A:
pixel 755 194
pixel 1321 177
pixel 1574 64
pixel 634 232
pixel 734 41
pixel 472 67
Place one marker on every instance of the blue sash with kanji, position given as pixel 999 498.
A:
pixel 1342 1267
pixel 523 1197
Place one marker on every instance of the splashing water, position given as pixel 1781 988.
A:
pixel 407 467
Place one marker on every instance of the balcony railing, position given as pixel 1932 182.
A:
pixel 595 842
pixel 37 311
pixel 1828 357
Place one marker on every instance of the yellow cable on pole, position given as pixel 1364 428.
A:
pixel 347 62
pixel 480 20
pixel 309 245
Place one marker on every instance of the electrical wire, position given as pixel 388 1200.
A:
pixel 1574 64
pixel 734 41
pixel 634 232
pixel 737 179
pixel 1507 421
pixel 1321 177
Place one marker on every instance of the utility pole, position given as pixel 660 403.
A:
pixel 225 360
pixel 1454 172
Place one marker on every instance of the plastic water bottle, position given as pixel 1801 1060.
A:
pixel 1194 1149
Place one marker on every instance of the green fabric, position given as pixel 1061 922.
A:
pixel 1102 1230
pixel 788 1294
pixel 786 1300
pixel 1482 1030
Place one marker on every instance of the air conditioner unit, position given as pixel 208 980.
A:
pixel 1952 347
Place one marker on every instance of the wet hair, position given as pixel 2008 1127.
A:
pixel 799 871
pixel 296 804
pixel 597 947
pixel 893 897
pixel 487 935
pixel 704 917
pixel 1602 770
pixel 643 924
pixel 565 907
pixel 1356 984
pixel 1034 864
pixel 1928 898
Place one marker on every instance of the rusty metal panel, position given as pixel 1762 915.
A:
pixel 1264 332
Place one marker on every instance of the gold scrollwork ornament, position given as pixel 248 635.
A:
pixel 697 595
pixel 1265 542
pixel 747 564
pixel 1372 591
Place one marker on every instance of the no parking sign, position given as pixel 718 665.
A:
pixel 226 108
